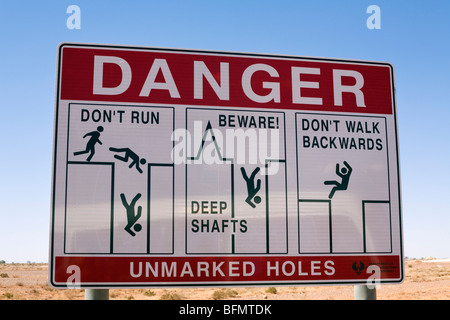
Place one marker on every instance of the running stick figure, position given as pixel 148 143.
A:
pixel 344 173
pixel 90 146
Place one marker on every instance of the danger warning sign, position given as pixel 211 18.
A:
pixel 186 167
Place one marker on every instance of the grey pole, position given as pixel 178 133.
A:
pixel 363 292
pixel 96 294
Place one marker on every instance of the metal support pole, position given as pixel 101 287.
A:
pixel 96 294
pixel 363 292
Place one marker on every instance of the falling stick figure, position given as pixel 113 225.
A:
pixel 129 154
pixel 251 190
pixel 344 173
pixel 90 146
pixel 132 217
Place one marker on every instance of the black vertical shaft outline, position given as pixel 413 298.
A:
pixel 149 165
pixel 266 166
pixel 330 224
pixel 364 221
pixel 111 237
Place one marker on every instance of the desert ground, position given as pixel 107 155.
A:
pixel 427 279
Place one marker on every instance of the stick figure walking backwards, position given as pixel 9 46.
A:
pixel 132 217
pixel 129 154
pixel 251 190
pixel 90 146
pixel 344 173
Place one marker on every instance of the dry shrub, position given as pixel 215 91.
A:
pixel 223 294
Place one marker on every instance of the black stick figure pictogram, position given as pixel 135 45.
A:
pixel 251 189
pixel 90 145
pixel 344 173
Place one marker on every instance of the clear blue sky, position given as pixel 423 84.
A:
pixel 414 37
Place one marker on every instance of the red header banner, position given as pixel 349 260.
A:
pixel 172 77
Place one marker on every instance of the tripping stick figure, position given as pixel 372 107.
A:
pixel 344 173
pixel 132 217
pixel 90 146
pixel 251 190
pixel 129 154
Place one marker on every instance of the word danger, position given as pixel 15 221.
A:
pixel 200 73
